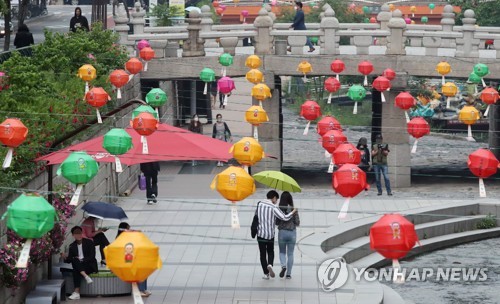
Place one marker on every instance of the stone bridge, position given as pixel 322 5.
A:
pixel 391 43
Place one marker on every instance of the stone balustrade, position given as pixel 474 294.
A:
pixel 390 36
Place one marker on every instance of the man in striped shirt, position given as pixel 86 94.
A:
pixel 267 212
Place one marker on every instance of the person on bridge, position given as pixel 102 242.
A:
pixel 78 21
pixel 195 126
pixel 300 25
pixel 221 132
pixel 23 37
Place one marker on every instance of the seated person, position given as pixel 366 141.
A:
pixel 81 255
pixel 97 236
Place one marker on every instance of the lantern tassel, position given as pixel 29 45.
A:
pixel 22 262
pixel 256 133
pixel 99 118
pixel 260 104
pixel 487 110
pixel 330 98
pixel 306 130
pixel 76 196
pixel 355 110
pixel 442 80
pixel 157 113
pixel 205 89
pixel 304 79
pixel 330 167
pixel 469 134
pixel 8 158
pixel 482 189
pixel 475 89
pixel 412 15
pixel 145 149
pixel 130 77
pixel 118 165
pixel 136 294
pixel 86 87
pixel 119 94
pixel 343 210
pixel 143 138
pixel 225 100
pixel 235 219
pixel 448 102
pixel 407 117
pixel 245 168
pixel 337 76
pixel 365 83
pixel 398 276
pixel 327 154
pixel 484 83
pixel 414 149
pixel 223 71
pixel 146 66
pixel 383 97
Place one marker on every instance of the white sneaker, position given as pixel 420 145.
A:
pixel 89 280
pixel 265 277
pixel 271 271
pixel 74 296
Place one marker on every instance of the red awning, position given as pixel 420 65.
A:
pixel 168 143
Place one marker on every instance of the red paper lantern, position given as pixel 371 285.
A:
pixel 389 74
pixel 147 54
pixel 393 236
pixel 418 127
pixel 347 153
pixel 310 110
pixel 97 98
pixel 489 96
pixel 12 134
pixel 483 164
pixel 219 11
pixel 326 124
pixel 332 85
pixel 144 124
pixel 349 181
pixel 382 84
pixel 215 3
pixel 337 66
pixel 118 78
pixel 332 139
pixel 133 66
pixel 405 101
pixel 373 20
pixel 365 68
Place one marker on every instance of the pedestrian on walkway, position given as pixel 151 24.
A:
pixel 380 151
pixel 195 126
pixel 300 25
pixel 143 286
pixel 81 255
pixel 213 93
pixel 23 37
pixel 287 234
pixel 221 132
pixel 96 235
pixel 150 171
pixel 267 212
pixel 78 21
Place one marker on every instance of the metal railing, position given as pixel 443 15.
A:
pixel 24 51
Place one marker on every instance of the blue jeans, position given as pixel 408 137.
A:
pixel 286 242
pixel 378 169
pixel 143 286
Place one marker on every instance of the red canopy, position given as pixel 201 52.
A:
pixel 168 143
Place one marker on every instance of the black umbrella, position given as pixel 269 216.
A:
pixel 105 211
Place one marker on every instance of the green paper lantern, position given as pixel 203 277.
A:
pixel 366 9
pixel 207 75
pixel 30 216
pixel 312 4
pixel 366 20
pixel 432 6
pixel 117 141
pixel 356 92
pixel 156 98
pixel 424 19
pixel 314 40
pixel 481 70
pixel 474 78
pixel 79 168
pixel 226 59
pixel 144 108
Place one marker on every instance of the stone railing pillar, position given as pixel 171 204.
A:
pixel 138 20
pixel 431 45
pixel 467 46
pixel 384 17
pixel 194 45
pixel 395 42
pixel 270 12
pixel 324 9
pixel 263 41
pixel 122 28
pixel 362 44
pixel 329 39
pixel 206 25
pixel 229 44
pixel 447 23
pixel 297 44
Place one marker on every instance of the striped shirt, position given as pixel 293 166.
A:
pixel 267 213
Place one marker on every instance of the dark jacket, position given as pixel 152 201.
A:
pixel 77 22
pixel 23 37
pixel 213 88
pixel 88 254
pixel 196 129
pixel 150 168
pixel 299 21
pixel 365 153
pixel 227 134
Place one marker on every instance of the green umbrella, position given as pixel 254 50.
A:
pixel 156 98
pixel 144 108
pixel 277 180
pixel 207 75
pixel 356 93
pixel 117 142
pixel 481 70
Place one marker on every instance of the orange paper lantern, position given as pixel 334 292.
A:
pixel 147 54
pixel 144 124
pixel 443 68
pixel 97 98
pixel 12 134
pixel 118 78
pixel 133 66
pixel 489 96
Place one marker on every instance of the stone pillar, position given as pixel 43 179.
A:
pixel 324 9
pixel 122 28
pixel 362 44
pixel 229 44
pixel 194 45
pixel 206 25
pixel 447 23
pixel 395 42
pixel 494 130
pixel 395 134
pixel 467 46
pixel 138 20
pixel 263 41
pixel 496 46
pixel 328 40
pixel 297 44
pixel 431 45
pixel 270 12
pixel 384 17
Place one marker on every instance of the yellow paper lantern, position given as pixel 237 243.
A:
pixel 256 115
pixel 413 22
pixel 392 7
pixel 87 73
pixel 413 10
pixel 469 115
pixel 255 76
pixel 133 257
pixel 443 68
pixel 304 67
pixel 247 152
pixel 253 62
pixel 260 92
pixel 449 90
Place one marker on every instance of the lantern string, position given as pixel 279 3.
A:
pixel 24 255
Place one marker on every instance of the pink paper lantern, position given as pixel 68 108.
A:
pixel 225 85
pixel 408 20
pixel 244 13
pixel 142 44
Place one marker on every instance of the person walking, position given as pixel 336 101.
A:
pixel 213 93
pixel 97 236
pixel 150 171
pixel 195 126
pixel 78 21
pixel 287 234
pixel 221 132
pixel 23 37
pixel 380 151
pixel 81 255
pixel 143 286
pixel 267 212
pixel 300 25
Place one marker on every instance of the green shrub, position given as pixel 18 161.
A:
pixel 490 221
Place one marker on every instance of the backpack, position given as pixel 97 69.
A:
pixel 255 223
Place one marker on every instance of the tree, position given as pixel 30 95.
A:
pixel 340 7
pixel 487 12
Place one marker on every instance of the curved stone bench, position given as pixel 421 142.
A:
pixel 105 284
